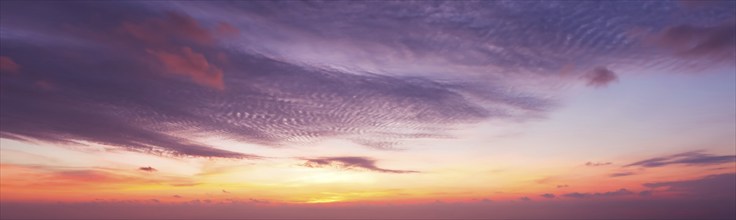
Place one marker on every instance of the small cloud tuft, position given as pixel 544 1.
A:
pixel 600 76
pixel 148 169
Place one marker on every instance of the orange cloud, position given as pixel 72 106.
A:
pixel 194 65
pixel 8 65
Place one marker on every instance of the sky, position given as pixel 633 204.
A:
pixel 367 109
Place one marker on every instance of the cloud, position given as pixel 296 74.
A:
pixel 649 208
pixel 694 158
pixel 54 177
pixel 162 38
pixel 548 195
pixel 620 174
pixel 600 76
pixel 712 186
pixel 562 186
pixel 8 65
pixel 170 27
pixel 350 163
pixel 148 169
pixel 645 193
pixel 138 106
pixel 191 64
pixel 227 29
pixel 294 74
pixel 525 199
pixel 715 42
pixel 620 192
pixel 597 164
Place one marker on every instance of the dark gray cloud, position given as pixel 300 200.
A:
pixel 620 192
pixel 694 158
pixel 350 163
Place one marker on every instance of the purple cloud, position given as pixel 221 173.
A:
pixel 350 163
pixel 148 79
pixel 712 186
pixel 600 76
pixel 694 158
pixel 717 42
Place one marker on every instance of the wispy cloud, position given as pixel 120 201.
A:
pixel 597 164
pixel 53 177
pixel 620 174
pixel 694 158
pixel 172 74
pixel 350 163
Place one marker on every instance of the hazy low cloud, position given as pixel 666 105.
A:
pixel 620 192
pixel 712 186
pixel 548 195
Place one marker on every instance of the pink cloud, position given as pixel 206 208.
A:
pixel 8 65
pixel 173 26
pixel 186 62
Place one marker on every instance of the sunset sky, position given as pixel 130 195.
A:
pixel 367 109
